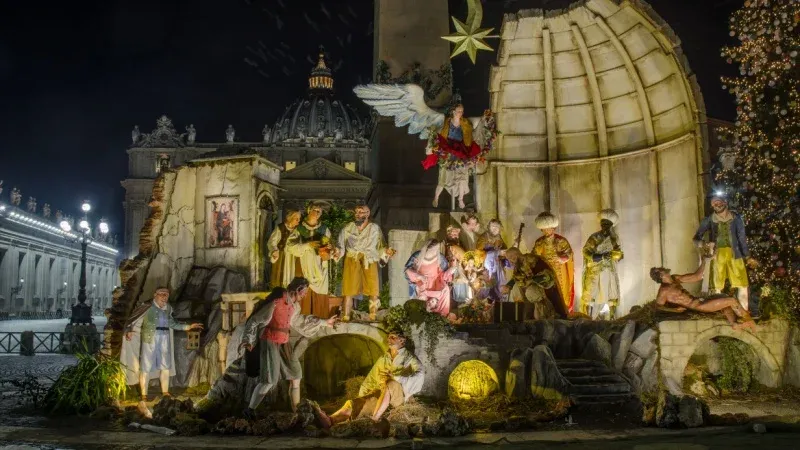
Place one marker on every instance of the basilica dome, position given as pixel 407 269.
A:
pixel 319 115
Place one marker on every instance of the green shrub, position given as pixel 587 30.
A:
pixel 777 301
pixel 413 312
pixel 737 369
pixel 96 380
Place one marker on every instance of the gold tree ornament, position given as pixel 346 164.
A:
pixel 469 37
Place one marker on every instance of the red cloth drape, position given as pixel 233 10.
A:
pixel 455 148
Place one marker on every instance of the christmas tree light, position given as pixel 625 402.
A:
pixel 765 180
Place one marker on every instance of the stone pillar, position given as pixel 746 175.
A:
pixel 407 33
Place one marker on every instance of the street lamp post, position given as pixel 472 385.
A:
pixel 16 290
pixel 81 312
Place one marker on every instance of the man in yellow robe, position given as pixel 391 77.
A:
pixel 557 253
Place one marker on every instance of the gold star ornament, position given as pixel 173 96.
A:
pixel 469 37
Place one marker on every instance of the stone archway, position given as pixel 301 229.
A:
pixel 770 373
pixel 335 355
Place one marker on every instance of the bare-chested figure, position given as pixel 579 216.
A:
pixel 671 292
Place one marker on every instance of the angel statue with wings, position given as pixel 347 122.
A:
pixel 457 144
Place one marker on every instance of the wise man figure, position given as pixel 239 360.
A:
pixel 673 297
pixel 455 138
pixel 601 253
pixel 148 350
pixel 728 245
pixel 534 283
pixel 394 378
pixel 268 328
pixel 362 245
pixel 557 253
pixel 470 230
pixel 428 274
pixel 310 244
pixel 283 264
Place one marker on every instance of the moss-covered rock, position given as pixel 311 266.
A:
pixel 189 424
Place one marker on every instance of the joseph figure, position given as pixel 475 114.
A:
pixel 282 263
pixel 492 243
pixel 310 244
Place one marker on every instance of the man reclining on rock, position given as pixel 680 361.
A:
pixel 394 378
pixel 671 292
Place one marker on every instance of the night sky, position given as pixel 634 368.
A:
pixel 75 77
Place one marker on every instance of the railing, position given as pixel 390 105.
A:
pixel 43 315
pixel 34 315
pixel 40 342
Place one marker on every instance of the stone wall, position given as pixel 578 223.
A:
pixel 679 339
pixel 175 236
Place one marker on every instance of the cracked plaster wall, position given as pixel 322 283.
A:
pixel 233 178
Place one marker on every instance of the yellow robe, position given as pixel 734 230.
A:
pixel 550 250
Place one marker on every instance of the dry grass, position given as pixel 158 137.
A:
pixel 497 408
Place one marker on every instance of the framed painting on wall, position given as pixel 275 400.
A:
pixel 222 222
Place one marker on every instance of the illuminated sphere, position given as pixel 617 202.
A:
pixel 472 380
pixel 86 207
pixel 65 225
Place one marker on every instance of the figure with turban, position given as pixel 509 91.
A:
pixel 555 250
pixel 601 253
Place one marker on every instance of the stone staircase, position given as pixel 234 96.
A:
pixel 592 382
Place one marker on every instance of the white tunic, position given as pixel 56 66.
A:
pixel 368 242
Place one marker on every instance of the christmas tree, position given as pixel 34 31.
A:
pixel 765 179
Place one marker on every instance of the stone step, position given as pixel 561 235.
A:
pixel 594 399
pixel 570 363
pixel 570 372
pixel 600 389
pixel 596 379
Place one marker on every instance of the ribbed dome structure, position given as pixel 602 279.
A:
pixel 597 109
pixel 319 115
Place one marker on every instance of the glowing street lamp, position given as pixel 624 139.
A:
pixel 81 312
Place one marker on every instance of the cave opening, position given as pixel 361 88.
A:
pixel 332 360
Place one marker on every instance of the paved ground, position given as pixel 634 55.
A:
pixel 49 366
pixel 640 439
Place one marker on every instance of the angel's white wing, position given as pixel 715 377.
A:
pixel 404 102
pixel 480 134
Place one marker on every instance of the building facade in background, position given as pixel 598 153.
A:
pixel 40 269
pixel 321 144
